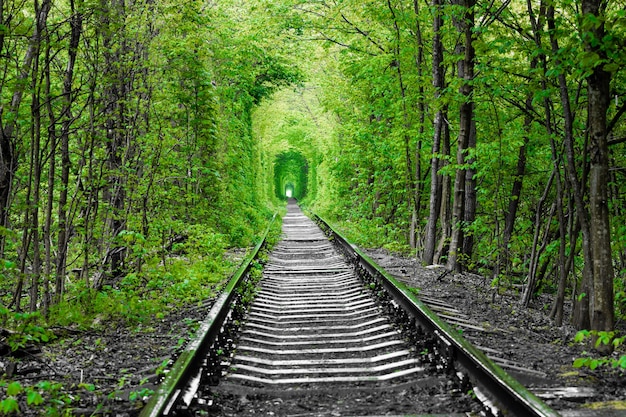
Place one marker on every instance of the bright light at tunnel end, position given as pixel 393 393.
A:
pixel 288 192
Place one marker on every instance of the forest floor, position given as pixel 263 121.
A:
pixel 111 371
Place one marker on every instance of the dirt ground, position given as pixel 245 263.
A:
pixel 112 371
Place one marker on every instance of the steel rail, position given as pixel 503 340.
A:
pixel 188 362
pixel 508 395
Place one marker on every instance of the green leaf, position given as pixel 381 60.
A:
pixel 34 398
pixel 589 59
pixel 14 388
pixel 591 21
pixel 88 387
pixel 579 362
pixel 581 335
pixel 604 338
pixel 9 405
pixel 44 385
pixel 553 72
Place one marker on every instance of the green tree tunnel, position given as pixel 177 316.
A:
pixel 291 171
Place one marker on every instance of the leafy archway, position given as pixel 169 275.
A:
pixel 291 171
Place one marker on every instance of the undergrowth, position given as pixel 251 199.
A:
pixel 602 338
pixel 371 233
pixel 193 272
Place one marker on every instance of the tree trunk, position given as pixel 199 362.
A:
pixel 565 262
pixel 470 195
pixel 435 178
pixel 458 210
pixel 465 66
pixel 48 215
pixel 76 23
pixel 581 316
pixel 115 127
pixel 445 215
pixel 8 159
pixel 535 250
pixel 516 189
pixel 598 90
pixel 35 183
pixel 419 185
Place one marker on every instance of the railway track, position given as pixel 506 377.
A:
pixel 313 323
pixel 324 331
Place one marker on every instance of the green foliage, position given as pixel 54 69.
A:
pixel 25 328
pixel 291 171
pixel 9 405
pixel 187 127
pixel 44 398
pixel 375 149
pixel 162 120
pixel 293 130
pixel 414 290
pixel 601 338
pixel 188 277
pixel 594 363
pixel 275 232
pixel 620 297
pixel 160 146
pixel 140 395
pixel 160 370
pixel 374 233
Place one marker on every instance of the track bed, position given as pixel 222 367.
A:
pixel 316 342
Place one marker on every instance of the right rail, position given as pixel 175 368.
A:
pixel 488 379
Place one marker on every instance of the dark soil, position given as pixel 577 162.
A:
pixel 113 370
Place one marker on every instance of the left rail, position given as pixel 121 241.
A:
pixel 190 359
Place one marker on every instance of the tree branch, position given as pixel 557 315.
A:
pixel 488 19
pixel 616 141
pixel 365 34
pixel 324 37
pixel 613 122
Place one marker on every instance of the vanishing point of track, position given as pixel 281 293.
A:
pixel 324 319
